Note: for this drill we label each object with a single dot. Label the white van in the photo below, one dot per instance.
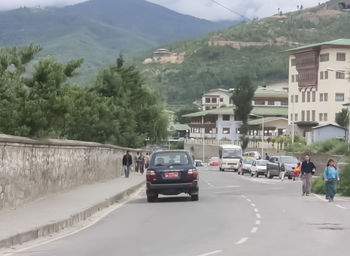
(230, 157)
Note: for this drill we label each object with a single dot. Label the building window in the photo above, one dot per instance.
(296, 98)
(226, 117)
(292, 98)
(339, 97)
(207, 100)
(308, 115)
(313, 96)
(221, 99)
(292, 78)
(320, 117)
(213, 100)
(296, 117)
(292, 62)
(321, 97)
(326, 75)
(303, 115)
(297, 78)
(325, 117)
(226, 130)
(303, 97)
(340, 56)
(321, 75)
(291, 117)
(313, 116)
(324, 57)
(325, 97)
(308, 96)
(340, 75)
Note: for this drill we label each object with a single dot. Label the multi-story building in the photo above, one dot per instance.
(217, 98)
(318, 82)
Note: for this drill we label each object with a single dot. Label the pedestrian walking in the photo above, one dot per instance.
(267, 157)
(331, 176)
(147, 159)
(141, 163)
(137, 161)
(307, 170)
(297, 171)
(127, 162)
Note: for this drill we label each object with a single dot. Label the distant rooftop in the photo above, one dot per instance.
(257, 111)
(339, 42)
(262, 92)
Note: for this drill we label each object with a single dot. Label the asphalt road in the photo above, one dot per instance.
(235, 215)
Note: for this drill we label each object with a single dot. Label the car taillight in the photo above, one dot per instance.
(193, 173)
(150, 175)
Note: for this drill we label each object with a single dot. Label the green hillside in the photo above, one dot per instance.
(261, 52)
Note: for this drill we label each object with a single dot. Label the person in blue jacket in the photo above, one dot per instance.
(331, 176)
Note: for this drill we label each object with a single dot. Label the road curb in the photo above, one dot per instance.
(56, 226)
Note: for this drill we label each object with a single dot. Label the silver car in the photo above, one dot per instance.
(258, 168)
(245, 166)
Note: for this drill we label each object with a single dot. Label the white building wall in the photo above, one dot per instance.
(331, 86)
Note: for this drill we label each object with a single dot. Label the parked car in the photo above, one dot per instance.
(254, 154)
(214, 161)
(281, 163)
(245, 166)
(258, 167)
(171, 173)
(198, 163)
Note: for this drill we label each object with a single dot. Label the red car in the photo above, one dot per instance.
(214, 161)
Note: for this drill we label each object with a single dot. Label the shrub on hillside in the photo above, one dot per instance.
(344, 188)
(318, 186)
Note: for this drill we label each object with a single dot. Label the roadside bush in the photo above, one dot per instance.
(344, 186)
(333, 146)
(340, 149)
(318, 186)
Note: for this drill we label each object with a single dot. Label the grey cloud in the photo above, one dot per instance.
(207, 9)
(11, 4)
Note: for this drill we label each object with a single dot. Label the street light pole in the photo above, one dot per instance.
(293, 117)
(262, 138)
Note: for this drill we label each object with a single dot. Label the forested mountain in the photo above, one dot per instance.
(99, 30)
(257, 48)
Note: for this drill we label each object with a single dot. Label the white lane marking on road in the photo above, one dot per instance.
(105, 214)
(319, 197)
(258, 216)
(243, 240)
(340, 206)
(254, 230)
(256, 210)
(211, 253)
(257, 222)
(253, 205)
(224, 192)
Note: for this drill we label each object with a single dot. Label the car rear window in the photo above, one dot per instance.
(289, 159)
(171, 158)
(261, 162)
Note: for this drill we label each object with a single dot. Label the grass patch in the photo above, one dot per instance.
(318, 186)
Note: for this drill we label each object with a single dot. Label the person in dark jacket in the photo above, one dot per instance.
(127, 162)
(307, 170)
(331, 176)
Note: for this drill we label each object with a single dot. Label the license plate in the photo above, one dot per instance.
(171, 174)
(232, 166)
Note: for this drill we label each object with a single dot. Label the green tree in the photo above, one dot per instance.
(242, 99)
(342, 118)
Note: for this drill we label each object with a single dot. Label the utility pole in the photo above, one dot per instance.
(293, 117)
(262, 137)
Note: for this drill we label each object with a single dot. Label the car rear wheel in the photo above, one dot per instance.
(194, 197)
(257, 174)
(269, 175)
(152, 198)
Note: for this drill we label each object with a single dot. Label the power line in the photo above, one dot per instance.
(237, 13)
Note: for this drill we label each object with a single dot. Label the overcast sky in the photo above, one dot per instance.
(206, 9)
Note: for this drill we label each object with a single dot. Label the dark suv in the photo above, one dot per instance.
(171, 173)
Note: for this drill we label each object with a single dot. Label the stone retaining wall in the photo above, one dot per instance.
(30, 169)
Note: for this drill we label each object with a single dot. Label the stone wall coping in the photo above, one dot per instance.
(4, 139)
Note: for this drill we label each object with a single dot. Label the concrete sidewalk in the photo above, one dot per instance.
(58, 211)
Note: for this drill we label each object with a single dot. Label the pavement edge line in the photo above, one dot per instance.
(57, 226)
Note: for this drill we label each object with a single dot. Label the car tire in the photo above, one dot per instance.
(251, 174)
(257, 175)
(222, 170)
(152, 198)
(269, 176)
(194, 197)
(290, 177)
